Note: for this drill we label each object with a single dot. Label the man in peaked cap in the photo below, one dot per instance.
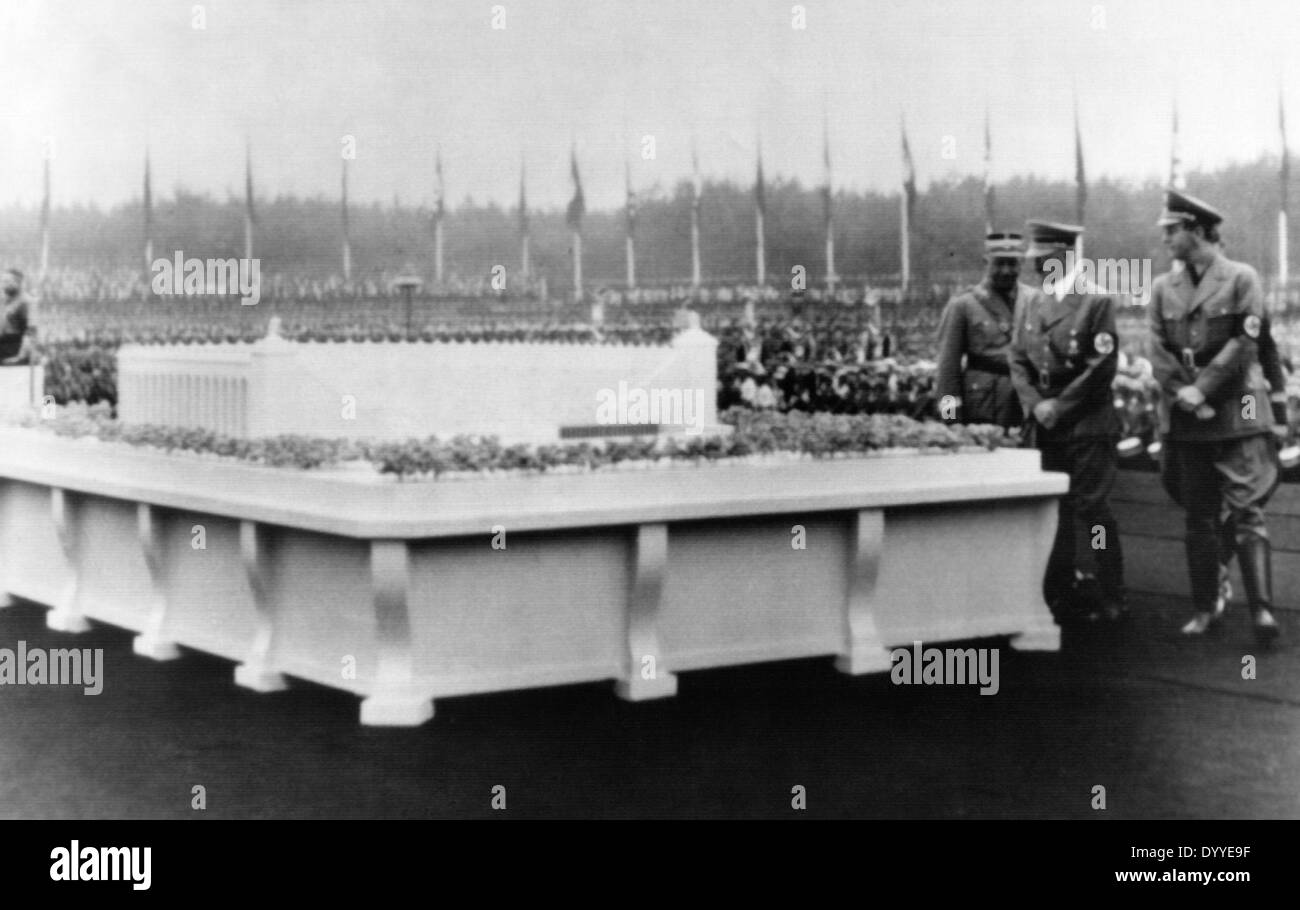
(1064, 356)
(976, 325)
(1218, 462)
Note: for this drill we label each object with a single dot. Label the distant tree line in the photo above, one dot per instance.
(297, 236)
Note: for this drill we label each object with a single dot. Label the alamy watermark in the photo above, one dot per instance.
(75, 863)
(1104, 276)
(945, 667)
(53, 667)
(198, 277)
(656, 407)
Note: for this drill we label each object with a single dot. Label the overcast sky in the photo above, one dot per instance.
(402, 76)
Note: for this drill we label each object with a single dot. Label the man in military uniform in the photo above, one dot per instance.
(1219, 461)
(1270, 362)
(977, 324)
(1064, 356)
(17, 333)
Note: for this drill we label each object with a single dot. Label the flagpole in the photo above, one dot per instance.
(45, 224)
(989, 215)
(437, 251)
(906, 245)
(577, 208)
(760, 254)
(695, 221)
(1081, 180)
(148, 216)
(248, 201)
(577, 265)
(1081, 184)
(829, 214)
(347, 244)
(830, 258)
(437, 223)
(630, 242)
(906, 202)
(1176, 179)
(1283, 248)
(524, 264)
(695, 248)
(1282, 255)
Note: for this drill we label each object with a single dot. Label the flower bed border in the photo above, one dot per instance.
(755, 433)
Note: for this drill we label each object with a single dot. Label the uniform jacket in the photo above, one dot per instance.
(1067, 350)
(977, 324)
(1207, 335)
(15, 323)
(15, 316)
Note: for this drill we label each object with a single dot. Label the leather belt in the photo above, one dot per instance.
(1056, 379)
(987, 364)
(1192, 359)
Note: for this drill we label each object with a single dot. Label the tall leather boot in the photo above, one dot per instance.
(1058, 580)
(1255, 555)
(1203, 570)
(1111, 574)
(1227, 551)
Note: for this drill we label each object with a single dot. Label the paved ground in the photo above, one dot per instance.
(1170, 730)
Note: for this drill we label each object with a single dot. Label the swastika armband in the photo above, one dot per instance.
(1251, 325)
(1104, 343)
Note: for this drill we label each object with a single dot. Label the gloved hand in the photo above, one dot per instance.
(1046, 414)
(1189, 398)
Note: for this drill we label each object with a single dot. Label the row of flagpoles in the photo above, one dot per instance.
(577, 209)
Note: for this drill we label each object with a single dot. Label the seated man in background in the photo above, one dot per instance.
(17, 331)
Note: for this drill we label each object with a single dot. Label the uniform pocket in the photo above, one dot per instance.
(1218, 331)
(988, 332)
(1174, 333)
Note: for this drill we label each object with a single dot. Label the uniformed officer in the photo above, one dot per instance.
(1219, 462)
(1271, 363)
(976, 324)
(1064, 356)
(17, 331)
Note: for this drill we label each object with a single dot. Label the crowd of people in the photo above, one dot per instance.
(95, 285)
(859, 351)
(92, 284)
(846, 293)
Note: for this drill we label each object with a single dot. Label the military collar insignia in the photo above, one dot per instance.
(1052, 310)
(990, 300)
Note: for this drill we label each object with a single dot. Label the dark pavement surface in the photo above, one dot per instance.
(1170, 729)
